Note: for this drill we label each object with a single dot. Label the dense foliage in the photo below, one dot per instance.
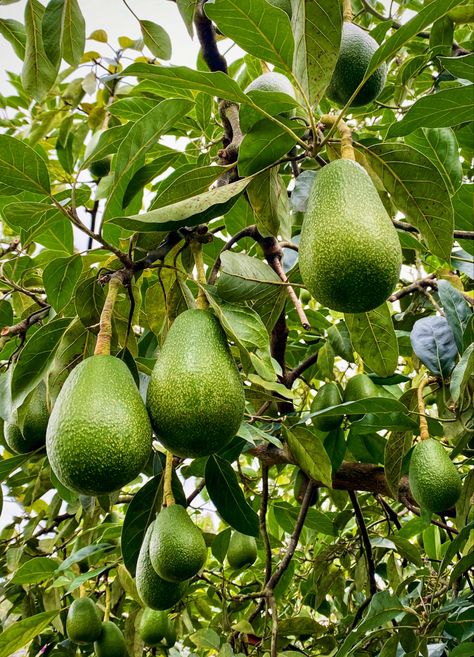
(117, 167)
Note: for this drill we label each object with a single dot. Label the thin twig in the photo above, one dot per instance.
(365, 542)
(263, 524)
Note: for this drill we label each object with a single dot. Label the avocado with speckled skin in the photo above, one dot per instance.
(32, 434)
(111, 642)
(99, 433)
(434, 481)
(195, 398)
(83, 621)
(154, 625)
(154, 591)
(242, 550)
(357, 48)
(349, 252)
(327, 395)
(272, 81)
(177, 547)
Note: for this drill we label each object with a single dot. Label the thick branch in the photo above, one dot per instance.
(299, 369)
(408, 228)
(206, 34)
(22, 327)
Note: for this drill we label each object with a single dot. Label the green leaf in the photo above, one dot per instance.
(107, 143)
(84, 553)
(269, 200)
(440, 146)
(244, 278)
(372, 422)
(456, 310)
(273, 103)
(206, 638)
(89, 301)
(228, 498)
(465, 563)
(90, 574)
(220, 544)
(317, 29)
(35, 358)
(38, 74)
(461, 67)
(7, 466)
(264, 144)
(378, 405)
(396, 447)
(73, 32)
(21, 168)
(309, 453)
(14, 32)
(156, 39)
(185, 182)
(418, 190)
(6, 313)
(448, 107)
(36, 570)
(462, 373)
(373, 338)
(19, 634)
(60, 278)
(463, 650)
(257, 27)
(433, 342)
(186, 9)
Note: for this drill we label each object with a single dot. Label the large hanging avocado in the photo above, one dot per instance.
(434, 481)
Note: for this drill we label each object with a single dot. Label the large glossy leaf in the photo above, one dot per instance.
(60, 278)
(373, 338)
(228, 498)
(38, 74)
(244, 278)
(34, 571)
(257, 27)
(14, 32)
(441, 147)
(19, 634)
(269, 200)
(433, 342)
(264, 144)
(21, 168)
(185, 182)
(156, 39)
(418, 190)
(73, 32)
(461, 67)
(456, 309)
(317, 28)
(448, 107)
(309, 453)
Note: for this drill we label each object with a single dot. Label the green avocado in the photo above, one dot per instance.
(154, 591)
(99, 434)
(195, 397)
(100, 168)
(434, 481)
(32, 434)
(358, 387)
(349, 252)
(327, 395)
(272, 81)
(177, 547)
(111, 642)
(83, 621)
(357, 48)
(242, 550)
(301, 484)
(170, 636)
(154, 626)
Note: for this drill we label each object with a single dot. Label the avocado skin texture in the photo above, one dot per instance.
(434, 481)
(111, 642)
(327, 395)
(357, 48)
(349, 252)
(154, 626)
(195, 397)
(83, 621)
(32, 435)
(99, 433)
(242, 550)
(301, 484)
(272, 81)
(359, 387)
(177, 547)
(154, 591)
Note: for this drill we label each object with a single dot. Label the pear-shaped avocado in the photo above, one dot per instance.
(83, 621)
(32, 433)
(154, 591)
(195, 397)
(111, 642)
(301, 484)
(177, 547)
(242, 550)
(357, 48)
(99, 433)
(434, 481)
(154, 626)
(359, 387)
(349, 251)
(327, 395)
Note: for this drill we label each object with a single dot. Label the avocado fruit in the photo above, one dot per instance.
(111, 642)
(434, 481)
(177, 547)
(154, 591)
(32, 434)
(83, 621)
(301, 484)
(154, 626)
(357, 48)
(327, 395)
(242, 551)
(100, 168)
(349, 252)
(99, 433)
(360, 387)
(195, 397)
(272, 81)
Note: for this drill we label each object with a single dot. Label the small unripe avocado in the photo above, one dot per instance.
(154, 625)
(32, 435)
(349, 251)
(154, 591)
(434, 481)
(195, 397)
(357, 48)
(100, 168)
(111, 642)
(242, 550)
(170, 636)
(83, 621)
(272, 81)
(177, 547)
(301, 484)
(327, 395)
(359, 387)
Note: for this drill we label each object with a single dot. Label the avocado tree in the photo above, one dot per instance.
(208, 451)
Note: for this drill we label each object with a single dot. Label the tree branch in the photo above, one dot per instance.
(457, 234)
(206, 34)
(263, 524)
(365, 540)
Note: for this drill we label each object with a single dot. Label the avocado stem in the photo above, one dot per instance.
(424, 431)
(347, 150)
(167, 486)
(107, 603)
(102, 346)
(347, 11)
(196, 248)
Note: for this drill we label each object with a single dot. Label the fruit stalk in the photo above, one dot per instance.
(107, 603)
(196, 248)
(347, 11)
(102, 347)
(347, 150)
(167, 485)
(424, 431)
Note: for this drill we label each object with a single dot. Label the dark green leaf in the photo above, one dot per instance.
(309, 453)
(185, 182)
(14, 33)
(397, 446)
(6, 313)
(73, 32)
(456, 310)
(34, 571)
(441, 147)
(38, 74)
(89, 301)
(391, 421)
(244, 278)
(462, 373)
(220, 544)
(376, 405)
(433, 342)
(227, 496)
(84, 553)
(21, 168)
(23, 631)
(60, 278)
(265, 144)
(7, 466)
(461, 67)
(269, 200)
(156, 39)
